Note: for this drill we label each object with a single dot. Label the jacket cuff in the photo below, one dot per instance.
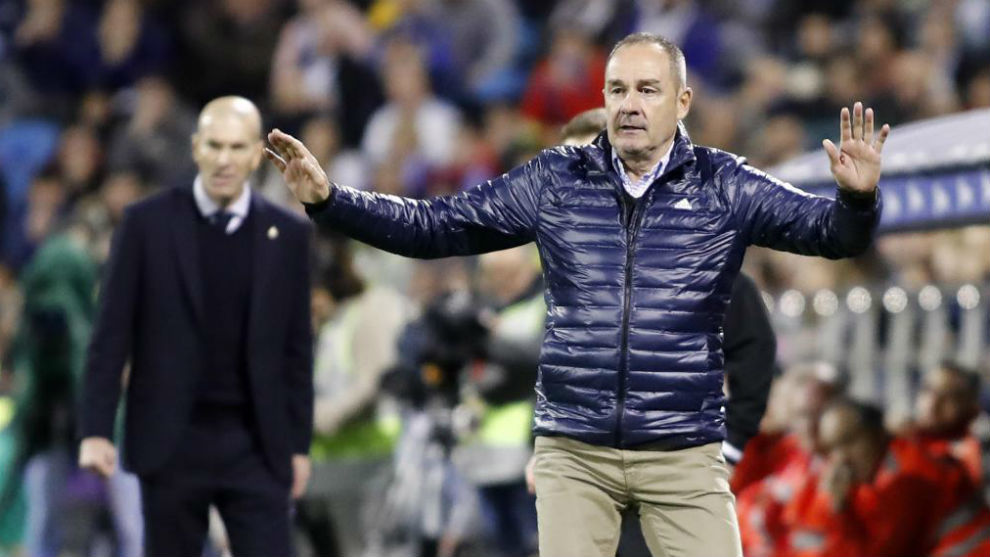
(301, 444)
(313, 209)
(96, 426)
(859, 201)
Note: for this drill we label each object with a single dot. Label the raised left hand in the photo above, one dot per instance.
(301, 468)
(856, 162)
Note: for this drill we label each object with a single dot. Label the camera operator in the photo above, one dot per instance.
(500, 394)
(429, 509)
(466, 373)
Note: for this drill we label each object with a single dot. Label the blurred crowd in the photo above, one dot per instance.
(425, 369)
(827, 475)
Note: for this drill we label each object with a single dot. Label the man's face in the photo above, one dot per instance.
(943, 406)
(806, 406)
(227, 149)
(644, 101)
(845, 443)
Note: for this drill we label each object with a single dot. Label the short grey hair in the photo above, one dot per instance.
(677, 64)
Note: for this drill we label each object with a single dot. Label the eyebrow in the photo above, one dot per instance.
(236, 143)
(641, 82)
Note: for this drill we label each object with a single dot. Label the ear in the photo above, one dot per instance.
(684, 102)
(259, 154)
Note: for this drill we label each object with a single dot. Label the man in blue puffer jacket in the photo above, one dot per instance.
(641, 235)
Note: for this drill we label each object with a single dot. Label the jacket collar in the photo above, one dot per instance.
(600, 157)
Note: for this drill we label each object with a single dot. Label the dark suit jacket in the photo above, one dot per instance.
(151, 311)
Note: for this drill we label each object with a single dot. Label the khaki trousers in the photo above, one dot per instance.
(685, 506)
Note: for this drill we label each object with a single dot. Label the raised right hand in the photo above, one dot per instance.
(302, 172)
(97, 454)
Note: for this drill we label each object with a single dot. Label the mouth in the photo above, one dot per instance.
(223, 179)
(630, 128)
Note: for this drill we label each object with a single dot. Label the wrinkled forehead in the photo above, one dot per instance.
(639, 62)
(229, 127)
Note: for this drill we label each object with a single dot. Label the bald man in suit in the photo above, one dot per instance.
(207, 295)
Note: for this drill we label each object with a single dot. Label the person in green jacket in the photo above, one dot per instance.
(12, 505)
(59, 287)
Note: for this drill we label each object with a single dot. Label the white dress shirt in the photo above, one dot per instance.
(239, 208)
(638, 188)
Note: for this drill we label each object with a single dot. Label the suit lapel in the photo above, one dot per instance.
(187, 250)
(263, 249)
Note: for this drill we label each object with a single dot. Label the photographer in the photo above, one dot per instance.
(429, 509)
(494, 455)
(466, 374)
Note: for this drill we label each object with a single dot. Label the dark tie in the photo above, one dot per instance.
(221, 219)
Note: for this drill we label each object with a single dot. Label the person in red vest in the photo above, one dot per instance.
(766, 483)
(965, 532)
(945, 409)
(875, 496)
(788, 430)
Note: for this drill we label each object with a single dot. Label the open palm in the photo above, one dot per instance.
(300, 169)
(856, 162)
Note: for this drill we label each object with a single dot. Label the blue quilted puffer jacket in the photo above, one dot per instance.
(636, 291)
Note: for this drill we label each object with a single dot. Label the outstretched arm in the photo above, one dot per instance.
(774, 214)
(498, 214)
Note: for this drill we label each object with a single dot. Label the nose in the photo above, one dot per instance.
(224, 157)
(631, 103)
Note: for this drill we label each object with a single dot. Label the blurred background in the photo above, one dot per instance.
(424, 370)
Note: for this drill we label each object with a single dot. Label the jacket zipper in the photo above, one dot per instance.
(632, 227)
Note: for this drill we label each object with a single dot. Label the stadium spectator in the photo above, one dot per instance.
(566, 82)
(414, 131)
(946, 407)
(867, 499)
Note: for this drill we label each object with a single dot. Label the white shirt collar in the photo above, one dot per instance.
(637, 189)
(207, 206)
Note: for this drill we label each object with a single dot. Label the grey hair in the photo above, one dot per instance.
(677, 64)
